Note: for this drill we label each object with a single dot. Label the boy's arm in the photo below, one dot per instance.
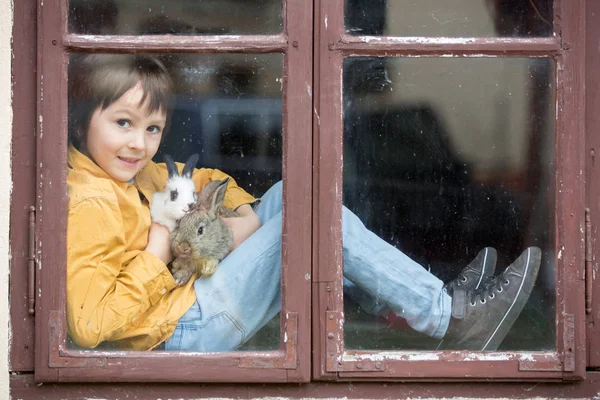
(236, 199)
(244, 225)
(103, 297)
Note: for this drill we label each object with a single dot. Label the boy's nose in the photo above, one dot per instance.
(137, 141)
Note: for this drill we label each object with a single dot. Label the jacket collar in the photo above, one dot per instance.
(82, 163)
(145, 180)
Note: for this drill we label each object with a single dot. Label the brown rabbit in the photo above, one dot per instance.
(201, 239)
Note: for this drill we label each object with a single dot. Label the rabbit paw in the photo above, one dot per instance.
(182, 272)
(209, 266)
(182, 276)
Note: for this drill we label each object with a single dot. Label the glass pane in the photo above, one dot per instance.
(178, 17)
(225, 108)
(453, 18)
(443, 157)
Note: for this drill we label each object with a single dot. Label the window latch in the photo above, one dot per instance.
(31, 263)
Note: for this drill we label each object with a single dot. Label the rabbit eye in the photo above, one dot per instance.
(200, 230)
(174, 195)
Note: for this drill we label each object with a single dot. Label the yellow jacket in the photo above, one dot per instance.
(116, 291)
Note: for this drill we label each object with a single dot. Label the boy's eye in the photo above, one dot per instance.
(123, 123)
(200, 230)
(154, 129)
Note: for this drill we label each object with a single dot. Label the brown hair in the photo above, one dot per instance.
(98, 80)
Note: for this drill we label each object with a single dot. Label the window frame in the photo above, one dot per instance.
(56, 363)
(331, 360)
(592, 122)
(23, 178)
(567, 49)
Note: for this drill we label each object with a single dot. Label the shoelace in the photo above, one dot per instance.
(455, 284)
(489, 288)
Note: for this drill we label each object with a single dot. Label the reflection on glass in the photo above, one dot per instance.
(177, 17)
(225, 108)
(228, 108)
(452, 18)
(443, 157)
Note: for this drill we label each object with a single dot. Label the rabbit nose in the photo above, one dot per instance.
(191, 205)
(181, 248)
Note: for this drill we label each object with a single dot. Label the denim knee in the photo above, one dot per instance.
(270, 202)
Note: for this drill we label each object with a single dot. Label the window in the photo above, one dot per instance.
(444, 132)
(246, 95)
(443, 143)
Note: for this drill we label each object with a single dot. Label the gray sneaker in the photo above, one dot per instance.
(477, 272)
(482, 318)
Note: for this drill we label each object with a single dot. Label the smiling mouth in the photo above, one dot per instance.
(129, 160)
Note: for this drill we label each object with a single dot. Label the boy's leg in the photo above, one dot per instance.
(367, 303)
(471, 278)
(242, 295)
(477, 317)
(393, 279)
(270, 203)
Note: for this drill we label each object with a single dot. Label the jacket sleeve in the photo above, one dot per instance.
(105, 297)
(235, 196)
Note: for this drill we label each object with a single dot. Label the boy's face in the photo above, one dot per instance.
(123, 138)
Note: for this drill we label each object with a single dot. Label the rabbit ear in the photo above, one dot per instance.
(171, 167)
(219, 196)
(212, 196)
(189, 166)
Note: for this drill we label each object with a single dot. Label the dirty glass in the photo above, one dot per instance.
(177, 17)
(227, 108)
(443, 157)
(450, 18)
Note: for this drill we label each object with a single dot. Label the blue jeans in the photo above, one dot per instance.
(244, 293)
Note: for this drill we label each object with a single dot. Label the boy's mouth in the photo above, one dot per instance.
(129, 161)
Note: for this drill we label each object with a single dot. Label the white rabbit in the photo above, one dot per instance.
(178, 196)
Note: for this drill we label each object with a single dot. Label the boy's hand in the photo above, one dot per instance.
(159, 242)
(244, 225)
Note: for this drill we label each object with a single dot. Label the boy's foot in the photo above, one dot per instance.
(474, 274)
(482, 318)
(478, 271)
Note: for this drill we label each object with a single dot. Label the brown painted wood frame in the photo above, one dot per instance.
(23, 192)
(53, 361)
(592, 128)
(23, 387)
(331, 360)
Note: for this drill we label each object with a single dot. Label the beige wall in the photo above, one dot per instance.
(487, 116)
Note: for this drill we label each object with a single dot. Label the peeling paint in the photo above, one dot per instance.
(437, 356)
(41, 129)
(560, 252)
